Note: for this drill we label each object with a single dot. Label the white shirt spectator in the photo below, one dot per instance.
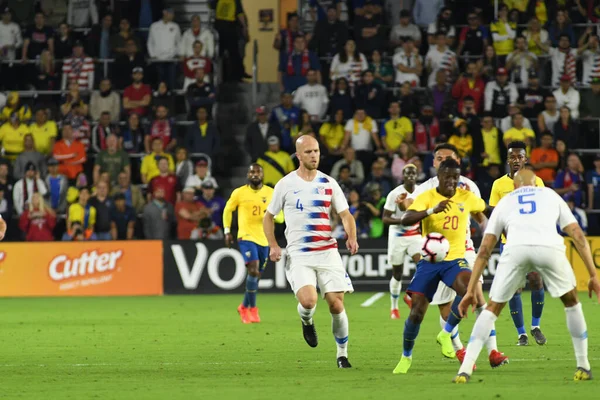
(195, 181)
(351, 69)
(10, 35)
(558, 63)
(437, 60)
(506, 123)
(432, 30)
(163, 40)
(80, 12)
(522, 63)
(312, 98)
(492, 87)
(591, 65)
(400, 58)
(360, 140)
(398, 32)
(550, 120)
(186, 46)
(570, 99)
(19, 199)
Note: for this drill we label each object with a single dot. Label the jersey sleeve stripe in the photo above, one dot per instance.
(329, 246)
(318, 228)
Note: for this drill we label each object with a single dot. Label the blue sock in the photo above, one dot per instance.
(411, 331)
(246, 302)
(537, 306)
(516, 312)
(251, 289)
(454, 316)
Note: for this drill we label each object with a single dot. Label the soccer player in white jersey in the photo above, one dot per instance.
(444, 295)
(403, 241)
(307, 198)
(529, 216)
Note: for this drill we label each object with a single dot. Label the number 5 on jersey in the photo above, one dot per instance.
(530, 203)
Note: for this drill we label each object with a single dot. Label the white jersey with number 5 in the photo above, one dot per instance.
(307, 209)
(529, 216)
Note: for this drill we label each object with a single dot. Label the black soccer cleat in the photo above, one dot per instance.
(538, 336)
(310, 335)
(342, 362)
(523, 340)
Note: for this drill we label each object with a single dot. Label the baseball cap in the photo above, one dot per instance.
(202, 163)
(501, 71)
(189, 189)
(261, 110)
(208, 184)
(565, 78)
(533, 74)
(119, 196)
(138, 69)
(273, 140)
(459, 121)
(52, 161)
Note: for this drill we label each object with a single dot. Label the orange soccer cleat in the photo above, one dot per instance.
(497, 359)
(244, 314)
(253, 314)
(407, 300)
(460, 355)
(395, 314)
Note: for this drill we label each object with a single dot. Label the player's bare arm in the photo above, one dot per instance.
(389, 220)
(403, 202)
(483, 256)
(350, 228)
(269, 228)
(414, 217)
(583, 248)
(481, 219)
(2, 229)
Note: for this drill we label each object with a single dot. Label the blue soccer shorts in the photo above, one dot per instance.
(428, 276)
(254, 252)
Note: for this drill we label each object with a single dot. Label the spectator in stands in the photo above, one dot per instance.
(79, 68)
(473, 38)
(469, 84)
(64, 40)
(537, 38)
(400, 160)
(81, 12)
(29, 155)
(567, 96)
(200, 94)
(368, 30)
(143, 12)
(258, 132)
(37, 38)
(105, 100)
(426, 129)
(81, 127)
(158, 216)
(54, 10)
(118, 41)
(112, 160)
(519, 133)
(361, 133)
(504, 33)
(590, 100)
(341, 99)
(13, 105)
(38, 221)
(488, 147)
(162, 96)
(566, 128)
(57, 185)
(126, 63)
(344, 180)
(396, 130)
(286, 117)
(564, 61)
(25, 188)
(202, 136)
(71, 99)
(544, 159)
(12, 134)
(197, 33)
(382, 71)
(312, 96)
(593, 188)
(440, 58)
(328, 40)
(149, 168)
(520, 62)
(532, 97)
(133, 135)
(357, 173)
(10, 41)
(305, 127)
(103, 205)
(499, 94)
(183, 166)
(489, 64)
(167, 180)
(122, 219)
(550, 115)
(189, 213)
(410, 100)
(442, 25)
(378, 177)
(101, 131)
(162, 127)
(439, 97)
(163, 45)
(137, 96)
(275, 162)
(425, 12)
(507, 122)
(133, 194)
(469, 114)
(405, 29)
(408, 63)
(196, 61)
(570, 181)
(332, 135)
(230, 19)
(99, 38)
(285, 38)
(589, 51)
(319, 8)
(369, 96)
(46, 76)
(463, 141)
(214, 204)
(348, 63)
(560, 27)
(70, 153)
(201, 175)
(578, 213)
(294, 67)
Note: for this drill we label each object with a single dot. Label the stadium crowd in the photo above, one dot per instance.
(378, 85)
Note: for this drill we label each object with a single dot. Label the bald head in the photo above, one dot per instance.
(305, 141)
(307, 151)
(524, 177)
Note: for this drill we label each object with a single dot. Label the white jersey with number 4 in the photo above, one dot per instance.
(400, 231)
(529, 216)
(307, 209)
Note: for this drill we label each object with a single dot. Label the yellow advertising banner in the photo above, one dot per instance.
(578, 267)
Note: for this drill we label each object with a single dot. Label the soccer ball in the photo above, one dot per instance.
(435, 248)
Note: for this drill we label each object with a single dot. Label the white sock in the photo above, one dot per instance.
(578, 329)
(480, 334)
(306, 314)
(339, 326)
(456, 343)
(491, 343)
(395, 289)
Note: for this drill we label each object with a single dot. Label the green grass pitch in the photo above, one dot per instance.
(184, 347)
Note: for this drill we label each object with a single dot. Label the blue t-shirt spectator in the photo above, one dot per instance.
(286, 118)
(565, 179)
(295, 66)
(592, 178)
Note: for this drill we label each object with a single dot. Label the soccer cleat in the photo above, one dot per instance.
(461, 378)
(253, 314)
(582, 374)
(538, 336)
(460, 355)
(523, 340)
(342, 362)
(395, 314)
(403, 365)
(310, 335)
(244, 314)
(407, 300)
(497, 359)
(444, 339)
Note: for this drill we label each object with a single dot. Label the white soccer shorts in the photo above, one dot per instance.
(399, 247)
(329, 274)
(517, 261)
(444, 294)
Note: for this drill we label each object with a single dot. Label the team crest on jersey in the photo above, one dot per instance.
(264, 199)
(248, 254)
(321, 190)
(463, 264)
(461, 206)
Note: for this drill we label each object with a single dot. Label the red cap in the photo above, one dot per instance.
(565, 78)
(261, 110)
(501, 71)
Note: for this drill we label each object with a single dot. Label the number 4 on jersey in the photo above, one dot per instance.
(299, 205)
